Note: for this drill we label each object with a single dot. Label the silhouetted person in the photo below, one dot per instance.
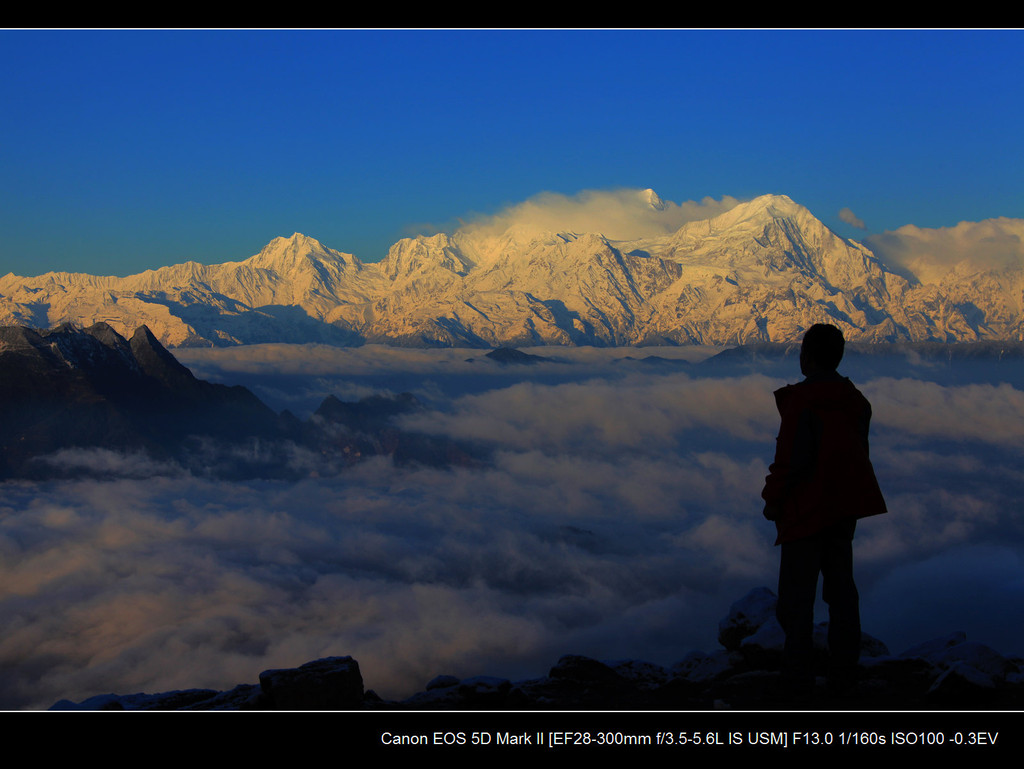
(820, 483)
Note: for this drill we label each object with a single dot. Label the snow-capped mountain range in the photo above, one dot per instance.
(762, 271)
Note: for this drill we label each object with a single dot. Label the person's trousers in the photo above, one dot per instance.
(829, 553)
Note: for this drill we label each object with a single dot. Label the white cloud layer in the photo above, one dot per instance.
(992, 244)
(623, 214)
(620, 517)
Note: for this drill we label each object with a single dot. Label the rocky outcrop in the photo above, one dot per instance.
(942, 673)
(69, 388)
(67, 392)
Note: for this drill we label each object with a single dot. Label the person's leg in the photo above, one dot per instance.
(798, 585)
(840, 593)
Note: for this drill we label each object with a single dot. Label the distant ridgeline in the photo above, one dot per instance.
(69, 397)
(761, 272)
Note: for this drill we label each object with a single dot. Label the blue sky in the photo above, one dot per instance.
(127, 150)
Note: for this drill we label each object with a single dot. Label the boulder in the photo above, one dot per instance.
(331, 683)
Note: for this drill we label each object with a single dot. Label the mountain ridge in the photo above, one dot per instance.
(762, 271)
(67, 393)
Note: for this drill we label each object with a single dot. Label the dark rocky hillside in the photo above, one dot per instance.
(69, 388)
(74, 388)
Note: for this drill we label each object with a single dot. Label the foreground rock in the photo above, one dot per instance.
(950, 672)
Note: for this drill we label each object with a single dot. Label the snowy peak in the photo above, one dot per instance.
(650, 197)
(286, 253)
(297, 245)
(761, 211)
(416, 256)
(764, 270)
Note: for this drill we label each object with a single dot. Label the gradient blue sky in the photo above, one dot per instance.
(128, 150)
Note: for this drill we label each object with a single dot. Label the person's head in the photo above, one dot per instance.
(822, 348)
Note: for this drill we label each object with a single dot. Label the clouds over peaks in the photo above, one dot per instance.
(846, 215)
(631, 214)
(992, 244)
(622, 214)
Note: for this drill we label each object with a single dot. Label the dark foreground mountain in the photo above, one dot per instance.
(950, 672)
(68, 393)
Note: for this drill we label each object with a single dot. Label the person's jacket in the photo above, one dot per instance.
(822, 473)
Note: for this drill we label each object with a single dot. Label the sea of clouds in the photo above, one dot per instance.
(617, 515)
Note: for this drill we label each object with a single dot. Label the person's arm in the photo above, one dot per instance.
(775, 483)
(796, 452)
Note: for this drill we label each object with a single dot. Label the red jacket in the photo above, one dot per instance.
(822, 473)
